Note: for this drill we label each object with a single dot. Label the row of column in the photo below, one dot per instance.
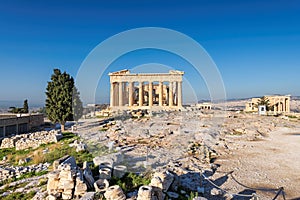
(117, 95)
(282, 106)
(13, 129)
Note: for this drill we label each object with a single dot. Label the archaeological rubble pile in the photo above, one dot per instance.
(68, 181)
(31, 140)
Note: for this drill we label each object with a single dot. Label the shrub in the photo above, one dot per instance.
(130, 181)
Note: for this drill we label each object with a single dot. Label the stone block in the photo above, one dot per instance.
(88, 196)
(65, 184)
(119, 171)
(105, 173)
(114, 193)
(70, 160)
(51, 197)
(145, 193)
(162, 180)
(52, 186)
(57, 162)
(101, 185)
(66, 195)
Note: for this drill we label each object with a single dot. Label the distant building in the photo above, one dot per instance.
(204, 106)
(278, 104)
(12, 124)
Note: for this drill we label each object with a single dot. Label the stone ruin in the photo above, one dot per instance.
(31, 140)
(17, 171)
(66, 181)
(80, 147)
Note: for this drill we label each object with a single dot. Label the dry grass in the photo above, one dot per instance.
(38, 157)
(54, 146)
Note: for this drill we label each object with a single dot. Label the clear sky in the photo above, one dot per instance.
(255, 44)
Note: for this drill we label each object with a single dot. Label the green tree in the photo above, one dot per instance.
(264, 101)
(24, 109)
(25, 106)
(59, 98)
(14, 110)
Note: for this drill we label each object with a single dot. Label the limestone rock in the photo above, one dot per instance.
(105, 173)
(119, 171)
(66, 181)
(81, 147)
(145, 193)
(114, 193)
(101, 185)
(216, 192)
(31, 140)
(80, 187)
(88, 196)
(162, 180)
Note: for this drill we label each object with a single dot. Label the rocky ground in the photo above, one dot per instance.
(222, 154)
(260, 150)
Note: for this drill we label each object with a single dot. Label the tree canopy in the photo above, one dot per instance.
(24, 109)
(60, 101)
(264, 101)
(25, 106)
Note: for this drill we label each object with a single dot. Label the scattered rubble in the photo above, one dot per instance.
(66, 182)
(79, 145)
(178, 147)
(18, 171)
(31, 140)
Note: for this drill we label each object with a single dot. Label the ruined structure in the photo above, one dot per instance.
(31, 140)
(66, 181)
(144, 91)
(204, 106)
(11, 124)
(278, 104)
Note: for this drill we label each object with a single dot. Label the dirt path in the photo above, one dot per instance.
(270, 163)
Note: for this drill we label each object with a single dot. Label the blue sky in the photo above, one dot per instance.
(255, 44)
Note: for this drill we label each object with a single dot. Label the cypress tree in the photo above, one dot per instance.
(59, 100)
(25, 106)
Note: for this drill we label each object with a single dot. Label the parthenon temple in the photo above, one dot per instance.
(146, 90)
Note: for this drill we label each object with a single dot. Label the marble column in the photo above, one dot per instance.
(141, 95)
(179, 94)
(125, 97)
(160, 93)
(120, 93)
(112, 101)
(130, 94)
(170, 94)
(150, 93)
(287, 105)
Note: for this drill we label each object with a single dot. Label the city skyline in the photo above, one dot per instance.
(254, 44)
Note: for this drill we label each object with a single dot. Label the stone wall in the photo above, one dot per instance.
(66, 182)
(16, 172)
(31, 140)
(19, 123)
